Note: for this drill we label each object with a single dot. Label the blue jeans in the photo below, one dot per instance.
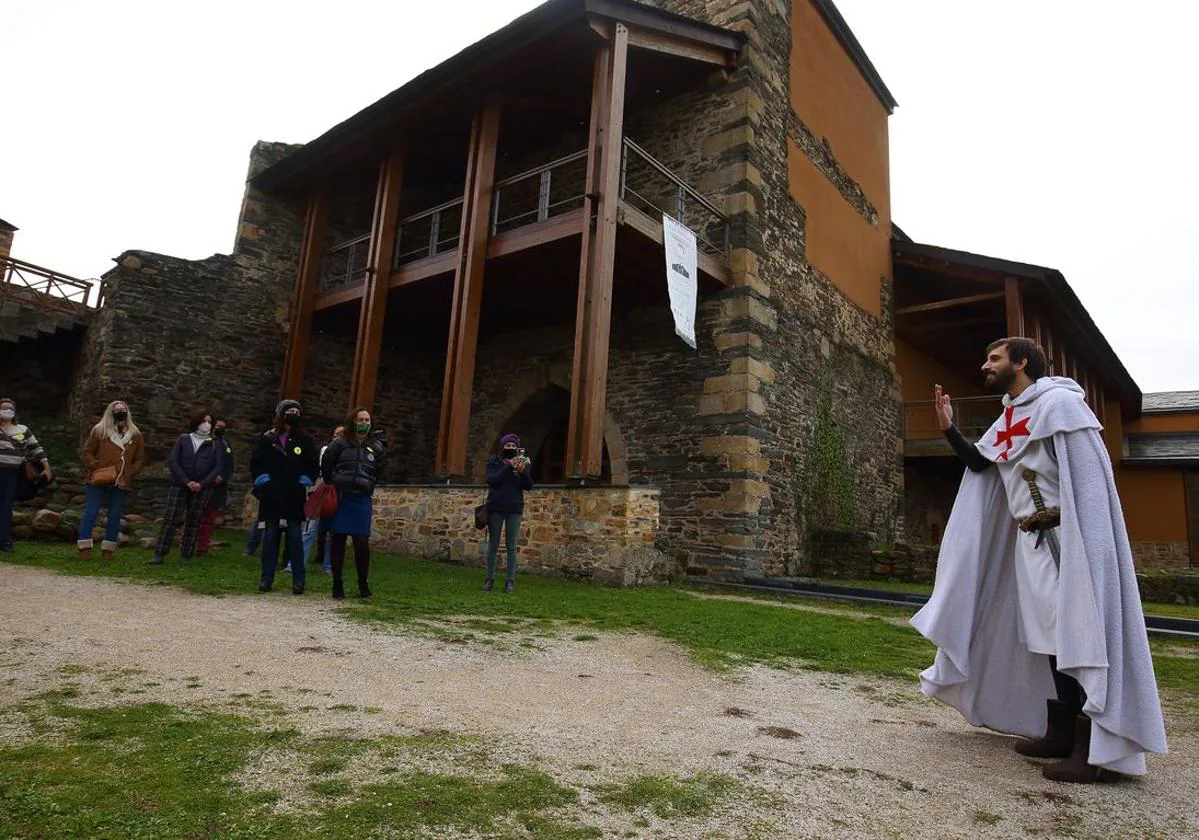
(511, 525)
(294, 538)
(314, 529)
(254, 538)
(93, 498)
(8, 496)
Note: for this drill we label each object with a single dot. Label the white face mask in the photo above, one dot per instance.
(204, 428)
(7, 414)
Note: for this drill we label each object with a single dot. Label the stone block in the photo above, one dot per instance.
(714, 144)
(730, 445)
(732, 340)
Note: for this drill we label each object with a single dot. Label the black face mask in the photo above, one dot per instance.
(292, 420)
(218, 432)
(509, 453)
(120, 416)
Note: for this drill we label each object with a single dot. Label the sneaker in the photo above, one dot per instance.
(287, 569)
(157, 561)
(297, 590)
(488, 585)
(509, 585)
(264, 587)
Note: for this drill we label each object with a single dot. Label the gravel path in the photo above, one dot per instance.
(841, 756)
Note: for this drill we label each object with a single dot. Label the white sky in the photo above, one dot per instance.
(1056, 132)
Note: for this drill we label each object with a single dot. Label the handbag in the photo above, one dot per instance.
(481, 516)
(322, 502)
(103, 476)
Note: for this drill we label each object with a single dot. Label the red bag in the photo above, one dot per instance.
(322, 502)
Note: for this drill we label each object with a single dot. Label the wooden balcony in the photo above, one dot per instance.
(921, 435)
(531, 209)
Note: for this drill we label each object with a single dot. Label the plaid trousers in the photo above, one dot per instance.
(182, 504)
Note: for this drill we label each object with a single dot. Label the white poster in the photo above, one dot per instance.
(681, 278)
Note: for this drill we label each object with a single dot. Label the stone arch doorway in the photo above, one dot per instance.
(538, 409)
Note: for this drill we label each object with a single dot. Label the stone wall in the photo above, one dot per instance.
(1155, 556)
(38, 372)
(606, 535)
(176, 335)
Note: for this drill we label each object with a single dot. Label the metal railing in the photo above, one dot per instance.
(535, 195)
(428, 233)
(652, 188)
(541, 193)
(344, 264)
(47, 289)
(972, 415)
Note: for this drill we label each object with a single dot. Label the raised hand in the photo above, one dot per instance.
(943, 407)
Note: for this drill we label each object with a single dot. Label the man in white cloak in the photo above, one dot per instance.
(1035, 613)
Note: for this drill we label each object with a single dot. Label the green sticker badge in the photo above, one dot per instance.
(298, 451)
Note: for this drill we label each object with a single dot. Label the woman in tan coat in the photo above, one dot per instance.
(113, 454)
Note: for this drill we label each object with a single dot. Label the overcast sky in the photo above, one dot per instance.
(1056, 132)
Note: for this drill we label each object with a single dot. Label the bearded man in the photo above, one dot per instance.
(1035, 612)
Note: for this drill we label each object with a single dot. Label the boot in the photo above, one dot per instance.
(362, 565)
(339, 591)
(1058, 740)
(107, 547)
(106, 554)
(488, 584)
(1075, 768)
(85, 549)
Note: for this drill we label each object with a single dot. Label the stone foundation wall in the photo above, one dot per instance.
(1154, 556)
(605, 535)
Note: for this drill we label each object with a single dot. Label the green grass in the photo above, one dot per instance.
(155, 771)
(669, 797)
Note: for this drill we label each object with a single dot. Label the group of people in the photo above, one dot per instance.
(286, 469)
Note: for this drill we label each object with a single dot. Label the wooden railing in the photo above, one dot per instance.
(47, 289)
(972, 415)
(535, 195)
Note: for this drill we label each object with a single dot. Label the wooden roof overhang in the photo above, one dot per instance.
(559, 35)
(947, 302)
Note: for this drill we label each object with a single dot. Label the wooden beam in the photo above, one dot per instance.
(593, 321)
(536, 233)
(652, 229)
(668, 44)
(938, 326)
(948, 304)
(377, 283)
(346, 294)
(458, 385)
(947, 269)
(425, 268)
(303, 297)
(1015, 306)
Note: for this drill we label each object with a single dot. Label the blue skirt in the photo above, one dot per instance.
(353, 515)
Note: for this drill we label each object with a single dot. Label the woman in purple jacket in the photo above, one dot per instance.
(195, 463)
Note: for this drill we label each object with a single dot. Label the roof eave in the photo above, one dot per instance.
(853, 48)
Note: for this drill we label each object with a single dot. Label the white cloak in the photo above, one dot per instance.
(982, 668)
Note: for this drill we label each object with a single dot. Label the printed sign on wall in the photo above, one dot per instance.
(681, 277)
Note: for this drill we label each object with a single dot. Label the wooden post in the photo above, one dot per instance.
(597, 261)
(302, 298)
(458, 385)
(376, 284)
(1015, 306)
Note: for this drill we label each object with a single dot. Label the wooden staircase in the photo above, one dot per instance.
(36, 302)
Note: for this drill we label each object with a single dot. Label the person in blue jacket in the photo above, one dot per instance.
(508, 477)
(284, 464)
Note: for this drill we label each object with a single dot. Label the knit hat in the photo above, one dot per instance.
(509, 438)
(284, 405)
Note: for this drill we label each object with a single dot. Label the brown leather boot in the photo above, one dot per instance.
(1075, 769)
(85, 549)
(1058, 740)
(106, 554)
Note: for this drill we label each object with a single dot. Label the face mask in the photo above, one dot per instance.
(204, 428)
(7, 413)
(219, 432)
(509, 453)
(291, 420)
(120, 416)
(363, 428)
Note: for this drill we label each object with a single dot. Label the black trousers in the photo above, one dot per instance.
(1068, 688)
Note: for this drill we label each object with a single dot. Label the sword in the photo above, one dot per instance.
(1045, 521)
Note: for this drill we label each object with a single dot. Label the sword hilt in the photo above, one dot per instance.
(1038, 501)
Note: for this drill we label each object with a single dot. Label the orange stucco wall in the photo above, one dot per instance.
(1154, 501)
(833, 99)
(1164, 423)
(1113, 434)
(920, 372)
(842, 245)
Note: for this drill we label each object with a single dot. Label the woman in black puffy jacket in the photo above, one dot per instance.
(353, 464)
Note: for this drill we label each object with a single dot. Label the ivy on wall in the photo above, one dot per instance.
(825, 486)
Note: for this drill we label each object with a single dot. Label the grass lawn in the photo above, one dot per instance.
(152, 770)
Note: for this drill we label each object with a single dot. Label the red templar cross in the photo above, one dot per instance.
(1008, 435)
